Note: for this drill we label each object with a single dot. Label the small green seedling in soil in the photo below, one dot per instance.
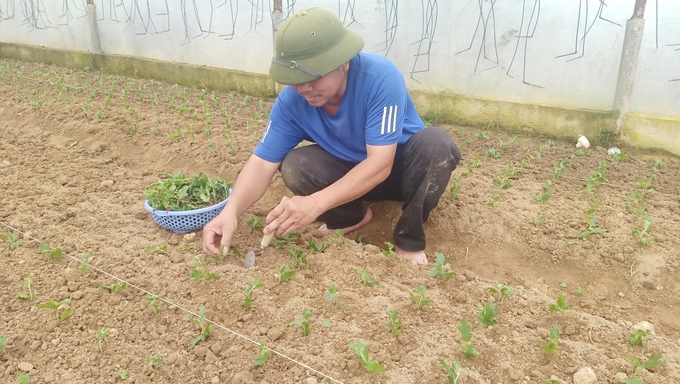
(389, 252)
(591, 209)
(642, 235)
(362, 240)
(113, 288)
(494, 199)
(638, 337)
(332, 295)
(501, 291)
(593, 229)
(487, 314)
(366, 277)
(560, 306)
(553, 344)
(338, 235)
(23, 378)
(542, 197)
(201, 270)
(492, 152)
(223, 254)
(361, 350)
(3, 340)
(631, 381)
(454, 187)
(123, 374)
(14, 242)
(157, 248)
(536, 221)
(286, 273)
(84, 263)
(280, 242)
(316, 247)
(453, 371)
(298, 256)
(156, 303)
(155, 362)
(579, 291)
(502, 184)
(61, 313)
(421, 300)
(465, 330)
(265, 354)
(303, 324)
(55, 253)
(649, 364)
(395, 322)
(101, 335)
(441, 268)
(256, 223)
(30, 294)
(206, 328)
(249, 291)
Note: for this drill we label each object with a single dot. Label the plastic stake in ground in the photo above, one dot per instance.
(249, 260)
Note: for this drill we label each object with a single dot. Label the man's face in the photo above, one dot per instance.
(329, 88)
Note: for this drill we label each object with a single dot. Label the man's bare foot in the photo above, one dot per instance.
(417, 257)
(364, 221)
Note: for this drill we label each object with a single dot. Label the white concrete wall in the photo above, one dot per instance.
(426, 39)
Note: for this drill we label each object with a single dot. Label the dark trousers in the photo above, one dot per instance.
(420, 174)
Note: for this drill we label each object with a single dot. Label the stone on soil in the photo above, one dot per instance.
(585, 375)
(25, 366)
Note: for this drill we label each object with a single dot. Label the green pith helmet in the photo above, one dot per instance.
(311, 44)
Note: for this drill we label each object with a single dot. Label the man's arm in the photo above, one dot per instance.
(302, 210)
(250, 186)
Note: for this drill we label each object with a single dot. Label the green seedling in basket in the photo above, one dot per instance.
(441, 268)
(52, 253)
(113, 288)
(332, 295)
(361, 350)
(58, 308)
(206, 328)
(286, 273)
(487, 314)
(560, 306)
(453, 371)
(157, 249)
(553, 344)
(395, 322)
(420, 299)
(101, 335)
(14, 242)
(201, 270)
(249, 291)
(465, 330)
(29, 294)
(264, 355)
(303, 324)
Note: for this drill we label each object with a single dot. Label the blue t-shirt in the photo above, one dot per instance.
(376, 109)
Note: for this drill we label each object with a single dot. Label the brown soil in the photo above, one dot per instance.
(77, 149)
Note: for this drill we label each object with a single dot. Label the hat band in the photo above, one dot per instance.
(293, 64)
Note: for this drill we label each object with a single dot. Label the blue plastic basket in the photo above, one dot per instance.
(186, 221)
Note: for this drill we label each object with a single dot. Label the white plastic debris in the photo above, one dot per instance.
(613, 151)
(583, 143)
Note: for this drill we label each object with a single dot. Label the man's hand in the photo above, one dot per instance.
(219, 232)
(292, 214)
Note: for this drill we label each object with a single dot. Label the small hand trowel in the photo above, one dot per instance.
(249, 260)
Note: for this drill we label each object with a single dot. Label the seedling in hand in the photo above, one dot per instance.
(155, 362)
(593, 229)
(157, 248)
(366, 278)
(560, 306)
(101, 334)
(553, 344)
(316, 247)
(361, 350)
(285, 273)
(421, 300)
(303, 324)
(649, 364)
(113, 288)
(441, 268)
(487, 314)
(14, 242)
(389, 252)
(249, 291)
(395, 321)
(453, 372)
(465, 330)
(156, 303)
(206, 328)
(61, 313)
(30, 294)
(265, 354)
(55, 253)
(298, 256)
(256, 223)
(332, 295)
(501, 291)
(637, 337)
(201, 271)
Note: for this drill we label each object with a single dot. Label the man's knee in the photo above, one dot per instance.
(438, 145)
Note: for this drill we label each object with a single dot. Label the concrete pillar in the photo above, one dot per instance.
(94, 30)
(629, 61)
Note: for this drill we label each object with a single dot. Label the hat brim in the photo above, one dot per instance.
(324, 63)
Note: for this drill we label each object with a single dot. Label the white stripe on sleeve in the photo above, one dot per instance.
(394, 124)
(382, 127)
(389, 121)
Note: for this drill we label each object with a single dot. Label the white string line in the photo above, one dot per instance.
(497, 166)
(177, 305)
